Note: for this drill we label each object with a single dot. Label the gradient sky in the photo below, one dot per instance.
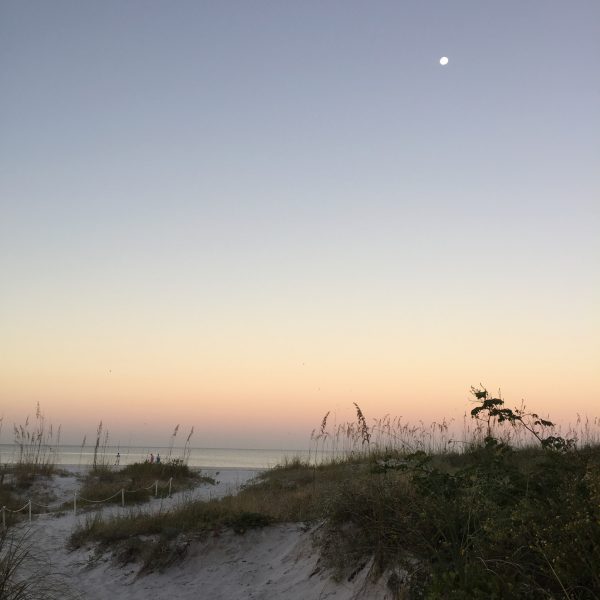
(241, 215)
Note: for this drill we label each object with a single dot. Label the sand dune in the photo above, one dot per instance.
(274, 562)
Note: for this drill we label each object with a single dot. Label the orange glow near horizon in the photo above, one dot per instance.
(212, 228)
(274, 392)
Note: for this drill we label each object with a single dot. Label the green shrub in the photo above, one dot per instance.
(493, 523)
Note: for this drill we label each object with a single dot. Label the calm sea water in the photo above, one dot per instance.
(198, 457)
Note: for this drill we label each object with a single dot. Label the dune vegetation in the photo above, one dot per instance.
(512, 512)
(511, 509)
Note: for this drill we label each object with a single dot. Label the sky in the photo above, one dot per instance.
(238, 216)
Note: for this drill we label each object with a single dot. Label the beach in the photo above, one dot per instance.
(276, 561)
(75, 456)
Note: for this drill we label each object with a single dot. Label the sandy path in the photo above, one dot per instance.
(270, 563)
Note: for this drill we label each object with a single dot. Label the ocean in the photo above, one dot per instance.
(196, 457)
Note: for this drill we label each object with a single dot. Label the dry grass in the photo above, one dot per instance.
(483, 518)
(364, 438)
(26, 574)
(37, 443)
(141, 482)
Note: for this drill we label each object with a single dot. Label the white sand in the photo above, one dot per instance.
(274, 562)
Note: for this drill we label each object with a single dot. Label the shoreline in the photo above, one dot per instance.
(204, 458)
(76, 468)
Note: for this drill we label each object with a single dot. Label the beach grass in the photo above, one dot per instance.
(512, 509)
(486, 519)
(25, 574)
(37, 443)
(141, 481)
(492, 522)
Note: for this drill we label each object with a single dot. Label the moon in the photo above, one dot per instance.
(444, 60)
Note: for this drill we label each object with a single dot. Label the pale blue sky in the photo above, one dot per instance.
(195, 166)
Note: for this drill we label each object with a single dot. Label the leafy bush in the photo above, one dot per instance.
(504, 523)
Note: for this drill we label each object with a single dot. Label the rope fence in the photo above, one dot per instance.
(76, 497)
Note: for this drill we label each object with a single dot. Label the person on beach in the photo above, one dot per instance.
(118, 459)
(157, 458)
(151, 458)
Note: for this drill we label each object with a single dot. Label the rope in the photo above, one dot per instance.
(99, 501)
(76, 497)
(16, 511)
(40, 505)
(140, 489)
(155, 484)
